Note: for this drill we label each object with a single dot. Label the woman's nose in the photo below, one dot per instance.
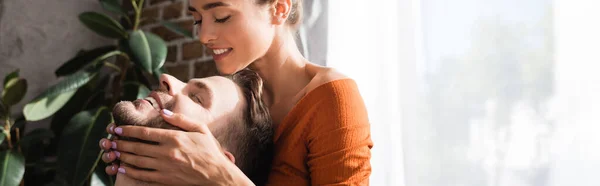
(171, 84)
(206, 35)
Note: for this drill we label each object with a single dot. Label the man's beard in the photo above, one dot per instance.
(125, 113)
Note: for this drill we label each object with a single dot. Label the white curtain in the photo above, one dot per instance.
(475, 92)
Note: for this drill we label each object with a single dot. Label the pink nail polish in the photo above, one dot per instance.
(167, 112)
(113, 167)
(107, 155)
(114, 145)
(122, 170)
(112, 129)
(118, 154)
(119, 130)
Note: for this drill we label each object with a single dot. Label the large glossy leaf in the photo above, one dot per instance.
(78, 148)
(134, 90)
(3, 111)
(143, 92)
(12, 168)
(113, 6)
(35, 136)
(14, 91)
(14, 74)
(82, 59)
(159, 72)
(177, 29)
(2, 136)
(61, 118)
(150, 51)
(56, 96)
(103, 25)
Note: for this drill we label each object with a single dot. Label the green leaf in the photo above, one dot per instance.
(113, 6)
(143, 92)
(12, 168)
(35, 136)
(10, 76)
(134, 90)
(103, 25)
(3, 110)
(159, 72)
(56, 96)
(82, 59)
(61, 118)
(150, 51)
(14, 91)
(78, 150)
(177, 29)
(2, 136)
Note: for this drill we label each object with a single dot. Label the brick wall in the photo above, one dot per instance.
(186, 57)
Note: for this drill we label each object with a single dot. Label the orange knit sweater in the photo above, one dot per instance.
(325, 139)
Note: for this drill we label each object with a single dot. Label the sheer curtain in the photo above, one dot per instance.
(475, 92)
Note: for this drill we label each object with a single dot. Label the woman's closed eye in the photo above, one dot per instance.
(222, 20)
(197, 22)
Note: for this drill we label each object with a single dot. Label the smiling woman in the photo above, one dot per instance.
(322, 133)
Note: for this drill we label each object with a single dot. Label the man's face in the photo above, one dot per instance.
(213, 101)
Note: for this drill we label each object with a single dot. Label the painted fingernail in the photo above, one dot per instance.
(112, 128)
(118, 154)
(114, 145)
(167, 112)
(122, 170)
(103, 143)
(119, 130)
(113, 167)
(107, 155)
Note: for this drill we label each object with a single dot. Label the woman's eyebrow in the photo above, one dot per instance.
(208, 6)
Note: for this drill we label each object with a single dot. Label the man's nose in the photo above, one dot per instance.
(171, 84)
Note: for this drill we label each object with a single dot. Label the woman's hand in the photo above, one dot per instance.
(180, 158)
(109, 156)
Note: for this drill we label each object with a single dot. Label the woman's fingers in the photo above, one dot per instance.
(138, 161)
(138, 148)
(146, 133)
(111, 169)
(109, 156)
(110, 128)
(184, 122)
(105, 144)
(139, 174)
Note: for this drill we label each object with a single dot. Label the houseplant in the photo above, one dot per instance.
(91, 83)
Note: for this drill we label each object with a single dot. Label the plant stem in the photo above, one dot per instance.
(113, 66)
(18, 132)
(7, 131)
(138, 13)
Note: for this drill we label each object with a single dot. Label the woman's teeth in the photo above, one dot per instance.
(220, 51)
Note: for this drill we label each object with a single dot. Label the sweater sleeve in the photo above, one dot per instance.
(339, 139)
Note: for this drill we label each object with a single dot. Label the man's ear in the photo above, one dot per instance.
(282, 11)
(229, 156)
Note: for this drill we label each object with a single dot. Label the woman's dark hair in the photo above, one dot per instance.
(255, 148)
(295, 17)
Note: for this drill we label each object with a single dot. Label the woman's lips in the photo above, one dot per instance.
(219, 54)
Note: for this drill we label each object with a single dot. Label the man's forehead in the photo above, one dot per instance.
(211, 79)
